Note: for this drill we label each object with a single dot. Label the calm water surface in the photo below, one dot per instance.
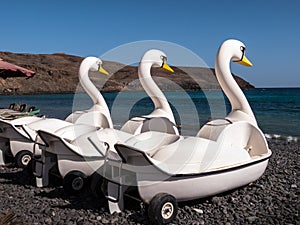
(277, 110)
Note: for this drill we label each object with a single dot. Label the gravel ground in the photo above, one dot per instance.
(273, 199)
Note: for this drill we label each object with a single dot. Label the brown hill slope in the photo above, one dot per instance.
(58, 73)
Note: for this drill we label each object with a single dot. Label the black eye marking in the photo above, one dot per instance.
(164, 59)
(243, 49)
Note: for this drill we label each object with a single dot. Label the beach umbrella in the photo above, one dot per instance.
(11, 70)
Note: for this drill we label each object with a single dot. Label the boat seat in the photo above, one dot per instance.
(213, 129)
(160, 124)
(92, 118)
(133, 126)
(12, 106)
(23, 107)
(141, 124)
(96, 144)
(32, 108)
(150, 142)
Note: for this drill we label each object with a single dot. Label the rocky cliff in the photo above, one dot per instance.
(58, 73)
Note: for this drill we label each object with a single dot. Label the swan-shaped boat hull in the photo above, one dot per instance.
(151, 180)
(225, 154)
(20, 134)
(82, 156)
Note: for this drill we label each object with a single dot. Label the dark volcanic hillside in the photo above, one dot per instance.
(58, 73)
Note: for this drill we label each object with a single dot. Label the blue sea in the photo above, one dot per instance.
(277, 110)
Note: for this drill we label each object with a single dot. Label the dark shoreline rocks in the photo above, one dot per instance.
(273, 199)
(58, 73)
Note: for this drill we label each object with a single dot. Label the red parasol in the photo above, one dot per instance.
(11, 70)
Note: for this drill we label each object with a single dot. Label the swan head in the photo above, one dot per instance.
(94, 64)
(156, 58)
(237, 50)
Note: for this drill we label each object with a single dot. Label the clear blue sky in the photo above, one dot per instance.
(270, 30)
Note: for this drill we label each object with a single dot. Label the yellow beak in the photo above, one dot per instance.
(167, 67)
(102, 70)
(245, 61)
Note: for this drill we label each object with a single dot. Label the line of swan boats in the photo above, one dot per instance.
(147, 159)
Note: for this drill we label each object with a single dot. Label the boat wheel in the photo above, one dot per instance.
(162, 208)
(96, 181)
(74, 182)
(167, 210)
(23, 158)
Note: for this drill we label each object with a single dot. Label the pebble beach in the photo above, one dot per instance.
(273, 199)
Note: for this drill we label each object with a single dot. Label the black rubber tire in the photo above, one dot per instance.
(23, 158)
(74, 182)
(162, 208)
(96, 181)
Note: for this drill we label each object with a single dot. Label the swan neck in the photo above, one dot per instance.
(153, 91)
(90, 88)
(97, 98)
(231, 89)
